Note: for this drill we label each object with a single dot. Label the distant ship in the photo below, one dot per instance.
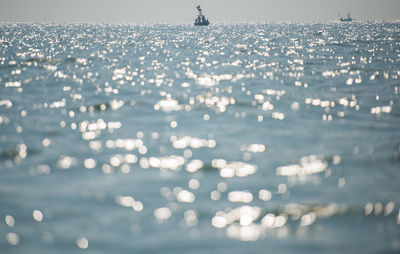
(348, 19)
(201, 19)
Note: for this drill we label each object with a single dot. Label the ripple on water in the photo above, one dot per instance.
(241, 131)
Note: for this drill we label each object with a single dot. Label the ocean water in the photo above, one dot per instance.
(232, 138)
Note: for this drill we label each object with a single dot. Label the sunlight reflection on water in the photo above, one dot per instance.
(112, 136)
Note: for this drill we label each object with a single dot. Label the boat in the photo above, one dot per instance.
(201, 19)
(347, 19)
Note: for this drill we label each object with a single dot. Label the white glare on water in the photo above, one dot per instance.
(82, 243)
(37, 215)
(12, 238)
(162, 213)
(126, 133)
(9, 221)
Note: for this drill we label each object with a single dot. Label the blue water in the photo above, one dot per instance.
(244, 138)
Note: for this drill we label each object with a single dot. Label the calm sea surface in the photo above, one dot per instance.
(246, 138)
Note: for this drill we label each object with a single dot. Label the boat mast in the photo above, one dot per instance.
(199, 9)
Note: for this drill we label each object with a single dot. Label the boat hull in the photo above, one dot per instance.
(206, 23)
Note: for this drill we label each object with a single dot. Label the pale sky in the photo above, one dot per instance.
(183, 11)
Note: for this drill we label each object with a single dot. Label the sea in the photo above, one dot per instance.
(170, 138)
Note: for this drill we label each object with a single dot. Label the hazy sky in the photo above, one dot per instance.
(183, 11)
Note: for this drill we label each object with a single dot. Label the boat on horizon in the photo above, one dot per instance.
(201, 19)
(347, 19)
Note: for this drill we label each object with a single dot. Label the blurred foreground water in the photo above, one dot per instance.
(277, 138)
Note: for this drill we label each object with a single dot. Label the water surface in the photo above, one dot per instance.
(255, 138)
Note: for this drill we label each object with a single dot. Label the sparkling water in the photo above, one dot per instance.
(242, 138)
